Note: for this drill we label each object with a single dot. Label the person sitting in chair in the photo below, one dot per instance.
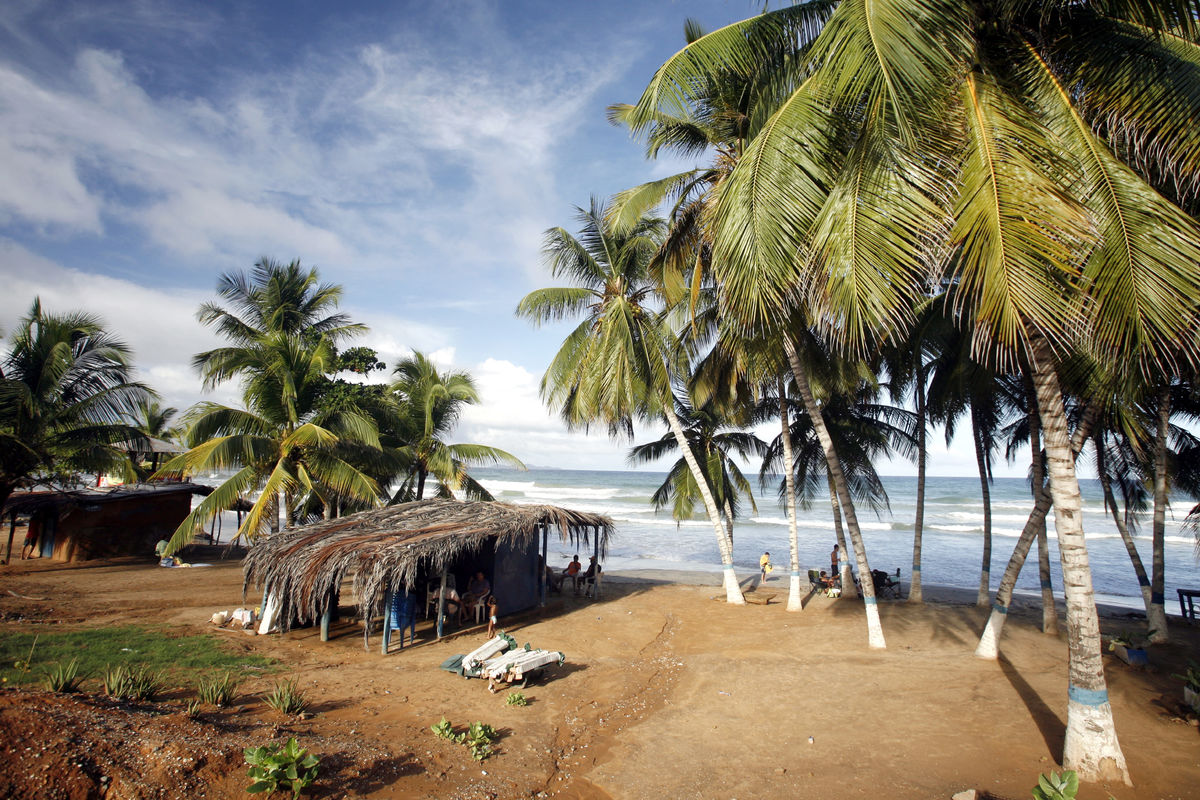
(572, 572)
(450, 597)
(588, 579)
(478, 589)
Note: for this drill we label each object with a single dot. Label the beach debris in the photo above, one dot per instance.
(811, 740)
(968, 794)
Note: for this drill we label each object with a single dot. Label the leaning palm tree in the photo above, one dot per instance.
(618, 364)
(1038, 143)
(66, 394)
(430, 403)
(713, 443)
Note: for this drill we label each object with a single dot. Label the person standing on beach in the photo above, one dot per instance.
(764, 566)
(833, 561)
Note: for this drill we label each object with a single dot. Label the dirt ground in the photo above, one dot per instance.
(666, 692)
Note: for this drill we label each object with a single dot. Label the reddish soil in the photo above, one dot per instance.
(666, 691)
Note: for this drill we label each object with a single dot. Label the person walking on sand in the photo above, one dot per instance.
(765, 566)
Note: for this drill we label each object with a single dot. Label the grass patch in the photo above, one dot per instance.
(97, 649)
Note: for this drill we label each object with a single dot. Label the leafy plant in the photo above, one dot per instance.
(516, 699)
(477, 738)
(193, 710)
(131, 683)
(443, 730)
(64, 678)
(1057, 787)
(218, 691)
(274, 768)
(286, 698)
(1190, 677)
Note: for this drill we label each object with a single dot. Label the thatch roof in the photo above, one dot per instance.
(149, 445)
(62, 501)
(387, 547)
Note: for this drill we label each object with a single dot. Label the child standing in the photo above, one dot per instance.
(492, 609)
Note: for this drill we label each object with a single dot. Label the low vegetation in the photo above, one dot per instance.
(94, 650)
(274, 768)
(286, 698)
(219, 690)
(478, 737)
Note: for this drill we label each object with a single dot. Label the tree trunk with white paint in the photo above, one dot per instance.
(733, 592)
(874, 629)
(795, 602)
(1091, 747)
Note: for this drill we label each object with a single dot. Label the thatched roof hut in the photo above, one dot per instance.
(393, 546)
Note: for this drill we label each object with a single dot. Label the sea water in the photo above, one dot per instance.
(952, 542)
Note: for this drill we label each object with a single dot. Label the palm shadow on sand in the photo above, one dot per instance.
(1052, 728)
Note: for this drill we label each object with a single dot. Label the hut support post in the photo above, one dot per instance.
(387, 621)
(545, 564)
(12, 530)
(441, 617)
(325, 617)
(596, 554)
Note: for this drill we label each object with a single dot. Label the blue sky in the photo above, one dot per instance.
(413, 152)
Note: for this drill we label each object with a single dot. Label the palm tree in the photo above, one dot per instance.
(712, 443)
(1038, 143)
(285, 442)
(66, 393)
(430, 404)
(620, 361)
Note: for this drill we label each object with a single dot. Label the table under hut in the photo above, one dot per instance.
(414, 546)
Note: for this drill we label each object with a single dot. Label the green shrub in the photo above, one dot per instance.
(477, 738)
(1057, 787)
(273, 768)
(287, 699)
(516, 699)
(193, 709)
(131, 683)
(64, 678)
(218, 691)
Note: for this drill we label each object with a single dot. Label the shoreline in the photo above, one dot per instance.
(1022, 602)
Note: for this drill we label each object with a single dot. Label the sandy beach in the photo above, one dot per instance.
(666, 691)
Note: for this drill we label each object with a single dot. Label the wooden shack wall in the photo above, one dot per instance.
(129, 526)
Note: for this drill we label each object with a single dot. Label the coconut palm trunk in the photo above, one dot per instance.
(1038, 473)
(915, 594)
(874, 629)
(1110, 500)
(789, 482)
(1156, 617)
(985, 480)
(733, 592)
(1035, 526)
(842, 570)
(1091, 747)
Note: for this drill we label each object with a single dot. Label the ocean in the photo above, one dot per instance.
(952, 541)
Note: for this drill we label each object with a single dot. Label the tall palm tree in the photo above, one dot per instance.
(1032, 141)
(66, 393)
(285, 443)
(430, 404)
(619, 363)
(713, 444)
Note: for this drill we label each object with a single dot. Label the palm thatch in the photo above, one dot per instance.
(388, 547)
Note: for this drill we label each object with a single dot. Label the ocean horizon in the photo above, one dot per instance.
(952, 540)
